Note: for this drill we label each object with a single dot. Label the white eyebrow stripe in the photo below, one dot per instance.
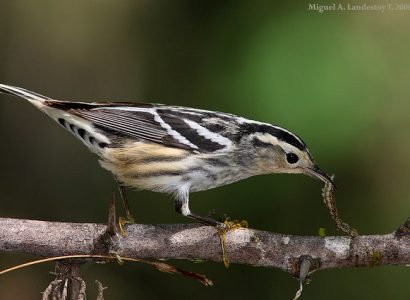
(212, 136)
(267, 138)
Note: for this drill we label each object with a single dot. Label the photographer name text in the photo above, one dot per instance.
(347, 7)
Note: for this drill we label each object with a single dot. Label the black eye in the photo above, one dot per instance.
(292, 158)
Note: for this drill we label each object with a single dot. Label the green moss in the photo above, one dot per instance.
(322, 231)
(375, 258)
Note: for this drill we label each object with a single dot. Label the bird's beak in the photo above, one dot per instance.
(317, 173)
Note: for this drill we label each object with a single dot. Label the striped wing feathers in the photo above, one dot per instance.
(171, 126)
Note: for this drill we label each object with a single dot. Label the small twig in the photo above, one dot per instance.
(112, 219)
(51, 289)
(403, 230)
(108, 241)
(161, 266)
(65, 290)
(81, 291)
(101, 288)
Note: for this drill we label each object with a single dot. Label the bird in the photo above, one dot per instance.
(175, 149)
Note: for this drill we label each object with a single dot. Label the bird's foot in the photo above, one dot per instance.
(223, 229)
(129, 219)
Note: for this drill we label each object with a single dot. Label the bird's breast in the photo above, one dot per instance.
(162, 169)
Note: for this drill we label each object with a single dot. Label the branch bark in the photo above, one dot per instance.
(191, 241)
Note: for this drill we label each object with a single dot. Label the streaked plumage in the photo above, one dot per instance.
(176, 149)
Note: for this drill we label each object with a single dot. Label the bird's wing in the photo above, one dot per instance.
(172, 126)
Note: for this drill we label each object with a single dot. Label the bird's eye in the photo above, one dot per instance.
(292, 158)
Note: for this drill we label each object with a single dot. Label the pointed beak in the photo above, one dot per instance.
(317, 173)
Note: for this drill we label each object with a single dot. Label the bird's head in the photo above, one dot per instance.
(277, 150)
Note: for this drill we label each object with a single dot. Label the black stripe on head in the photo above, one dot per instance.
(287, 137)
(277, 132)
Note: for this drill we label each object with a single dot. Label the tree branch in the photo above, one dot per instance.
(191, 241)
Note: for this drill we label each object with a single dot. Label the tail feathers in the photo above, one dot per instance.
(22, 93)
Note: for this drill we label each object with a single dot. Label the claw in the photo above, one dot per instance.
(122, 221)
(225, 227)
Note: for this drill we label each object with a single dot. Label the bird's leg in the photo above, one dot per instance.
(128, 219)
(206, 220)
(182, 207)
(124, 198)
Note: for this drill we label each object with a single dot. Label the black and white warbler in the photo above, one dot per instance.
(174, 149)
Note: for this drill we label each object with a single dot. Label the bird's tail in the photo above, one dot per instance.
(34, 98)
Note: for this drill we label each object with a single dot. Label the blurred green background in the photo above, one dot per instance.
(338, 79)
